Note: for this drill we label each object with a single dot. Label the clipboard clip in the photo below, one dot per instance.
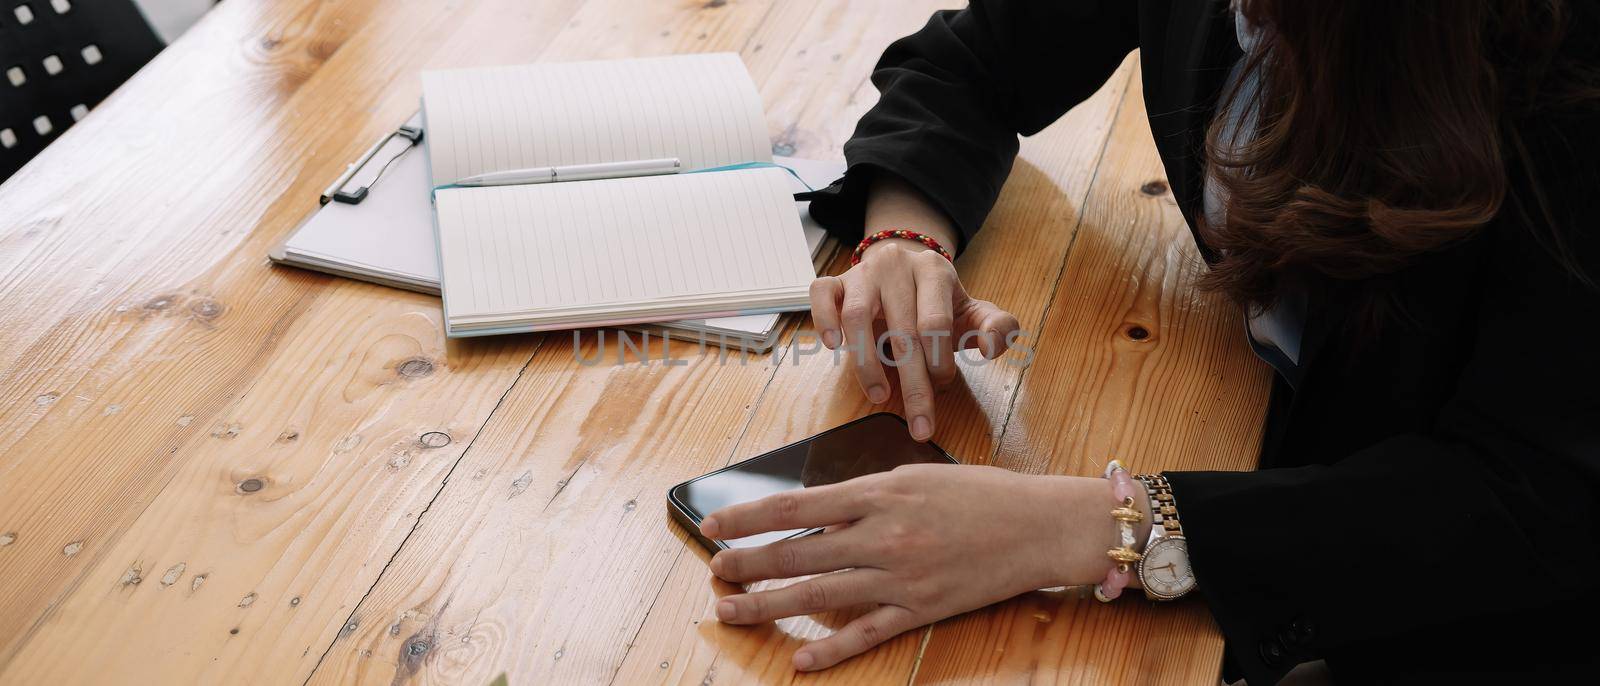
(340, 191)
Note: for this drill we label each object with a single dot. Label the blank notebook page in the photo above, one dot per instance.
(512, 249)
(702, 109)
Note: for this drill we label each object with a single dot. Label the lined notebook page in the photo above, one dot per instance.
(702, 109)
(511, 249)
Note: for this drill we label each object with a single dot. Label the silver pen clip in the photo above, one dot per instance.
(410, 132)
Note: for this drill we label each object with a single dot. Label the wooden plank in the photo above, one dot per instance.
(109, 297)
(281, 517)
(1014, 262)
(1133, 362)
(164, 387)
(538, 557)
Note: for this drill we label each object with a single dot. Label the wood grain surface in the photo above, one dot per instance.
(213, 470)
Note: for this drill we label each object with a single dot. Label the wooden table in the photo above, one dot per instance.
(214, 470)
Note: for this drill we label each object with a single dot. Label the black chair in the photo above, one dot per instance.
(58, 59)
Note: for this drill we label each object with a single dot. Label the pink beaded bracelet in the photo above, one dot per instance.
(1125, 514)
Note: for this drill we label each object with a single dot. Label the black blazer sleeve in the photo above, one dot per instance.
(1490, 512)
(955, 95)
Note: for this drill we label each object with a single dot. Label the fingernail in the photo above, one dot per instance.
(830, 338)
(878, 395)
(803, 660)
(709, 527)
(921, 428)
(725, 611)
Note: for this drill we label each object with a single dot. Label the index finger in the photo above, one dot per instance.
(802, 508)
(826, 292)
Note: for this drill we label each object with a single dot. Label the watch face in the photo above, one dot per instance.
(1165, 570)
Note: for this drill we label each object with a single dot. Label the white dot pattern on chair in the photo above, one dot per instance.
(61, 58)
(8, 139)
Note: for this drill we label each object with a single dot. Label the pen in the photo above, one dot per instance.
(575, 172)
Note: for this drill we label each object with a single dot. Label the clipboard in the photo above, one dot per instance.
(374, 223)
(407, 136)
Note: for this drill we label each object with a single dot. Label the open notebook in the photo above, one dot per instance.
(388, 239)
(608, 252)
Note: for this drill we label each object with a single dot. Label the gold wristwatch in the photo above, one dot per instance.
(1164, 571)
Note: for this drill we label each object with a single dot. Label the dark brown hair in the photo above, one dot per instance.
(1383, 131)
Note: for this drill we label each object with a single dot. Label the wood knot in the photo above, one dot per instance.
(205, 308)
(234, 631)
(521, 484)
(250, 485)
(417, 648)
(1154, 188)
(347, 444)
(713, 4)
(162, 302)
(46, 398)
(1138, 333)
(174, 573)
(8, 538)
(294, 602)
(434, 439)
(415, 368)
(289, 436)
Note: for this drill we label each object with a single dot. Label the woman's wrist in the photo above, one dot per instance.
(1084, 529)
(894, 204)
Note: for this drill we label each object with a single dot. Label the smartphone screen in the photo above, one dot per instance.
(868, 445)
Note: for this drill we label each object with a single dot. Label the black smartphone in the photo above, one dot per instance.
(875, 443)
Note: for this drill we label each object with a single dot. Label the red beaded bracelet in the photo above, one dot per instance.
(855, 258)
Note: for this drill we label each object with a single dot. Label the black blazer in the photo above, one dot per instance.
(1426, 505)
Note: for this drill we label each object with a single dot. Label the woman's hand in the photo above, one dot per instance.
(916, 296)
(924, 542)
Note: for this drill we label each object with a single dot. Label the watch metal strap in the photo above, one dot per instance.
(1163, 508)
